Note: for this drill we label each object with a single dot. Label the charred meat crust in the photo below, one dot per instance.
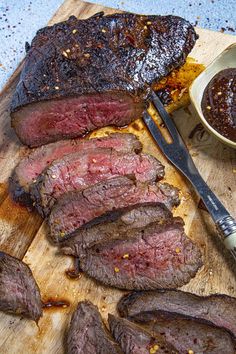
(88, 334)
(81, 75)
(84, 56)
(19, 292)
(181, 302)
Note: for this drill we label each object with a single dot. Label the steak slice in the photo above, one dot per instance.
(156, 256)
(135, 340)
(75, 209)
(189, 335)
(19, 293)
(80, 75)
(218, 309)
(113, 224)
(81, 170)
(88, 334)
(33, 165)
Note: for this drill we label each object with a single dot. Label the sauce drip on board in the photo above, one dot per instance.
(173, 89)
(219, 103)
(51, 303)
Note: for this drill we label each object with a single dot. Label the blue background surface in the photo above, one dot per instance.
(20, 19)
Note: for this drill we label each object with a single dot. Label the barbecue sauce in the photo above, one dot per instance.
(219, 103)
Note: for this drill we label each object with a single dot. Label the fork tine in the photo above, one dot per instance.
(154, 128)
(165, 117)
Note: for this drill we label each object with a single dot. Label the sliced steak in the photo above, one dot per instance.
(113, 224)
(81, 170)
(218, 309)
(29, 168)
(80, 75)
(19, 293)
(190, 335)
(75, 209)
(156, 256)
(135, 340)
(88, 334)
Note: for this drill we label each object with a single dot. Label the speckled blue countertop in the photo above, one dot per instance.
(20, 19)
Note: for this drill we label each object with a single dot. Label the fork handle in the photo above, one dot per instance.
(226, 224)
(227, 230)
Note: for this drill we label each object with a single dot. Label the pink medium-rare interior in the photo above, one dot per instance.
(69, 216)
(151, 256)
(79, 171)
(30, 167)
(47, 121)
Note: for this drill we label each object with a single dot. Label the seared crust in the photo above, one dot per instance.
(120, 52)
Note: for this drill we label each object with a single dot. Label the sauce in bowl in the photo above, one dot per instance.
(219, 103)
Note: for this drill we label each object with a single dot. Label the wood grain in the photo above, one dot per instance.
(23, 234)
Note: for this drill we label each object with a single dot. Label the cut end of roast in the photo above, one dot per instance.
(66, 118)
(67, 89)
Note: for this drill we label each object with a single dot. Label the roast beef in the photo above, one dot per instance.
(113, 224)
(81, 170)
(88, 334)
(135, 340)
(156, 256)
(190, 335)
(218, 309)
(19, 293)
(74, 209)
(85, 74)
(27, 171)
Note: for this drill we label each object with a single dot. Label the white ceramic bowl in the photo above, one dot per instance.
(227, 59)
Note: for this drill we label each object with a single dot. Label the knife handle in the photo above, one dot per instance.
(227, 229)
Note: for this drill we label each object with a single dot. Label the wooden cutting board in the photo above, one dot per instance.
(23, 234)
